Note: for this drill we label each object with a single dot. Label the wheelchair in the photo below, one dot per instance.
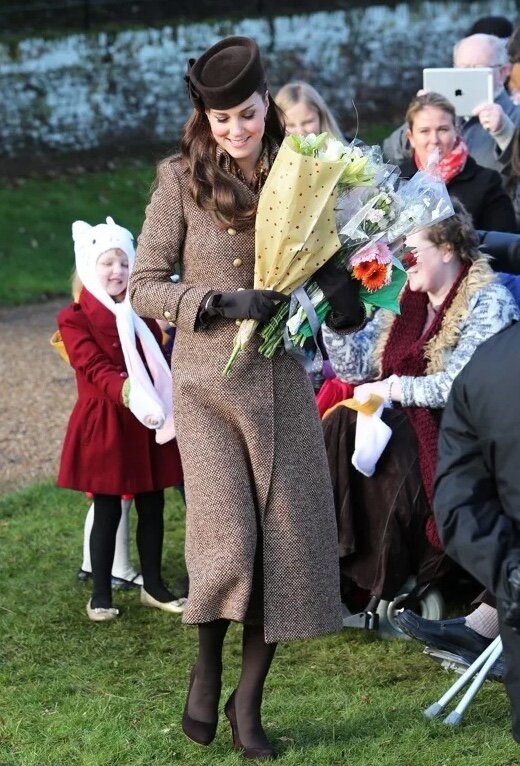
(426, 599)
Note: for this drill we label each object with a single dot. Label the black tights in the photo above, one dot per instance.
(150, 533)
(205, 691)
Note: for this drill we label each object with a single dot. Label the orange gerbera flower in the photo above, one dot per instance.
(372, 275)
(363, 269)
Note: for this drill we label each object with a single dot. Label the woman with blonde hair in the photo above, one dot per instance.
(435, 140)
(305, 110)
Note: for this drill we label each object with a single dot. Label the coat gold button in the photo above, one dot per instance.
(168, 314)
(238, 322)
(231, 231)
(237, 262)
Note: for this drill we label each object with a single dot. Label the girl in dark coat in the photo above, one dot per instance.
(107, 450)
(431, 128)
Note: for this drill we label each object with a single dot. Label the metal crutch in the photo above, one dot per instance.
(479, 670)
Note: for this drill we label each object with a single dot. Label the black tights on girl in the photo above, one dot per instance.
(150, 533)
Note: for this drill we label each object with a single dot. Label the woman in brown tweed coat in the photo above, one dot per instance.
(261, 540)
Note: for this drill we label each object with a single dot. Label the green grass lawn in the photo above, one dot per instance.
(36, 249)
(73, 693)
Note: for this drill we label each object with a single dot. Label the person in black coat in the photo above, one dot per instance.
(477, 487)
(433, 136)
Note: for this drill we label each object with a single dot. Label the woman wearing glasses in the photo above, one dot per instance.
(451, 304)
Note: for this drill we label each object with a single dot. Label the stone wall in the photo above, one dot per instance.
(86, 91)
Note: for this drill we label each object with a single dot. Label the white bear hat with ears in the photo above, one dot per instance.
(90, 242)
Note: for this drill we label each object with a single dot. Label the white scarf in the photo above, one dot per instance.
(372, 436)
(150, 400)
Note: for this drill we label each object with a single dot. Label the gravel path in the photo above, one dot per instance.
(37, 392)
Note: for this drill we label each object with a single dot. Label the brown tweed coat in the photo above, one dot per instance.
(251, 444)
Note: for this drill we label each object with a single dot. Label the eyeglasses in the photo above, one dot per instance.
(481, 66)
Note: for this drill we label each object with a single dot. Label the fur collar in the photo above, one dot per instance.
(479, 275)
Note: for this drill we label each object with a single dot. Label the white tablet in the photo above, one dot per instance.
(465, 88)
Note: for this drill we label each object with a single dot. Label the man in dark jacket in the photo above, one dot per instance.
(477, 491)
(489, 131)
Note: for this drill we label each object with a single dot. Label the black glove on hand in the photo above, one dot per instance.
(512, 608)
(243, 304)
(342, 292)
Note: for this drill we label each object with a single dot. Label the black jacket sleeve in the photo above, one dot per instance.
(497, 212)
(471, 522)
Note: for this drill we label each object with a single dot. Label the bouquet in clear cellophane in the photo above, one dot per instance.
(424, 201)
(371, 222)
(363, 215)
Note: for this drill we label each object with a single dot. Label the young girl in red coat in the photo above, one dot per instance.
(120, 436)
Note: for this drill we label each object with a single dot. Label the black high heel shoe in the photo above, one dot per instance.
(267, 753)
(201, 732)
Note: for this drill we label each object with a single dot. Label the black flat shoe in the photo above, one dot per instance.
(201, 732)
(83, 575)
(119, 583)
(449, 635)
(266, 753)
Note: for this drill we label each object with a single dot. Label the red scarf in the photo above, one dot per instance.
(404, 355)
(450, 165)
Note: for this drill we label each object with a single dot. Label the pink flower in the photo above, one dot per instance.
(375, 251)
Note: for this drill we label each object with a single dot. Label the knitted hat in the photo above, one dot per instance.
(499, 26)
(225, 75)
(90, 242)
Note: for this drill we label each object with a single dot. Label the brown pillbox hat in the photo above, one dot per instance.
(225, 75)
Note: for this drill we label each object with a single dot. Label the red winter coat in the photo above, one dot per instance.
(106, 449)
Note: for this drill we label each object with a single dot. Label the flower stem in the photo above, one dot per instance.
(237, 348)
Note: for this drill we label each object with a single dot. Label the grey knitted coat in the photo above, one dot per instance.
(251, 444)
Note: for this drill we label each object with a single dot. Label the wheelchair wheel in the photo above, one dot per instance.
(431, 607)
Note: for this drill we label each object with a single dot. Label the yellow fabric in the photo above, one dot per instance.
(299, 190)
(369, 407)
(55, 340)
(295, 228)
(59, 346)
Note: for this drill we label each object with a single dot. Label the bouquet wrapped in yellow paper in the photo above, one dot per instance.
(295, 231)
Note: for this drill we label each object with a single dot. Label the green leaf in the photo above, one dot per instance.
(387, 297)
(319, 142)
(306, 145)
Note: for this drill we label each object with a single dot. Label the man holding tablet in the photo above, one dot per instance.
(488, 131)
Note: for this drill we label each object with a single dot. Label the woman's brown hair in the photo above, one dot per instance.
(212, 188)
(458, 233)
(429, 100)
